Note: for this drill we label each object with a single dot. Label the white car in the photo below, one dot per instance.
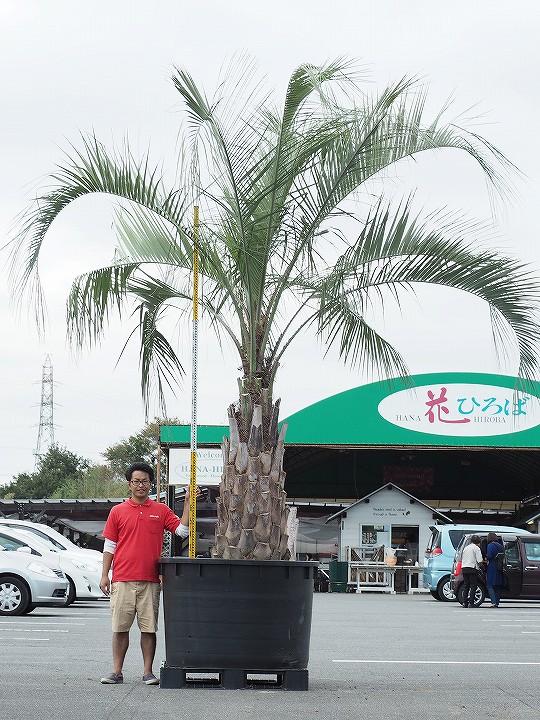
(82, 567)
(60, 541)
(28, 579)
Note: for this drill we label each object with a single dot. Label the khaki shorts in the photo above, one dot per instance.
(135, 598)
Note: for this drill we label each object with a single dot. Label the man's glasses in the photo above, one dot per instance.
(140, 482)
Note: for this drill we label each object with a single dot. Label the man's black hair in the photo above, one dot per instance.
(143, 467)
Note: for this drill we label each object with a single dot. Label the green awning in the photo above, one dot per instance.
(467, 410)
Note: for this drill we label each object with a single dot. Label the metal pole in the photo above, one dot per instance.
(158, 470)
(169, 501)
(193, 444)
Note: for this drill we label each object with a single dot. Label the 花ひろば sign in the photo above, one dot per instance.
(461, 409)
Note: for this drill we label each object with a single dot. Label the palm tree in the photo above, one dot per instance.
(286, 245)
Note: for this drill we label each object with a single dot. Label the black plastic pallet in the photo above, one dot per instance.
(232, 678)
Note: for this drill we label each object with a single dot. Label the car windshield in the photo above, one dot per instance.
(461, 544)
(11, 544)
(466, 540)
(60, 540)
(455, 537)
(43, 537)
(433, 540)
(34, 540)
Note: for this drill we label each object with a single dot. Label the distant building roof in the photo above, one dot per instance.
(390, 486)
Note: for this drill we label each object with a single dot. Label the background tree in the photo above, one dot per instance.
(99, 481)
(57, 468)
(297, 235)
(142, 446)
(63, 474)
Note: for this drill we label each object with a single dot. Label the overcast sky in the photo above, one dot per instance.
(67, 67)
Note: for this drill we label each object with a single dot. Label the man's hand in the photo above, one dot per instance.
(197, 495)
(185, 514)
(105, 585)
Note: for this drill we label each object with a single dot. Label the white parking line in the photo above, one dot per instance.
(509, 620)
(33, 630)
(18, 622)
(501, 609)
(435, 662)
(100, 616)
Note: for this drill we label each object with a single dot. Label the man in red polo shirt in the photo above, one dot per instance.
(133, 543)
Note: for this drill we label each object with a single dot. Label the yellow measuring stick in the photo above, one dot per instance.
(193, 464)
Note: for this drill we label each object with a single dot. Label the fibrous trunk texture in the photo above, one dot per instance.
(251, 510)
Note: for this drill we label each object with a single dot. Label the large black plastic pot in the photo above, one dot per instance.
(245, 614)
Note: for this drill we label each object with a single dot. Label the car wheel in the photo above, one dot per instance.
(14, 596)
(445, 591)
(28, 609)
(479, 596)
(71, 593)
(435, 594)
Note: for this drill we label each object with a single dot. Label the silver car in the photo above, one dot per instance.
(28, 579)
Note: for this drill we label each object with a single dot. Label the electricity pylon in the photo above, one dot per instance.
(45, 438)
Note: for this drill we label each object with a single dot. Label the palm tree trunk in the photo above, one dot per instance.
(251, 510)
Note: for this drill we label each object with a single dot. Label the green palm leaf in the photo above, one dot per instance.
(394, 252)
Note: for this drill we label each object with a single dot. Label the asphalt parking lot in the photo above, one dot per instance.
(372, 656)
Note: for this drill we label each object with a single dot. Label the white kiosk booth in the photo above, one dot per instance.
(382, 536)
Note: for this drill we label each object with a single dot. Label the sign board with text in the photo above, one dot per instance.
(209, 466)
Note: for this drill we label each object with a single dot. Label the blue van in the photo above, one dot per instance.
(440, 552)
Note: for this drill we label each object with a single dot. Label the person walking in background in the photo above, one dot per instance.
(494, 574)
(471, 562)
(133, 543)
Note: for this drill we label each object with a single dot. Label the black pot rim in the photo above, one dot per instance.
(175, 560)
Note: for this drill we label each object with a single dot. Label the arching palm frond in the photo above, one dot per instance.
(157, 300)
(395, 251)
(88, 171)
(92, 297)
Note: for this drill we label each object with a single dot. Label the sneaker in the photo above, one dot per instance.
(150, 679)
(113, 679)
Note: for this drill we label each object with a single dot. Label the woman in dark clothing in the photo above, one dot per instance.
(494, 577)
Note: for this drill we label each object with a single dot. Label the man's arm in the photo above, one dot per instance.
(478, 553)
(182, 530)
(185, 512)
(105, 583)
(109, 546)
